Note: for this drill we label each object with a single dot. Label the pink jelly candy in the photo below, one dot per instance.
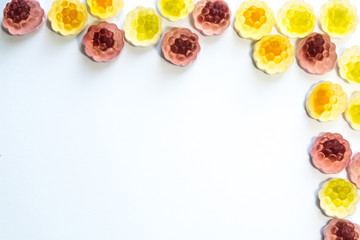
(341, 229)
(354, 170)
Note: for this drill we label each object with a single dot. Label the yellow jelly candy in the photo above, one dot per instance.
(338, 18)
(338, 198)
(174, 10)
(105, 8)
(68, 17)
(352, 114)
(254, 19)
(142, 27)
(326, 102)
(273, 54)
(349, 64)
(296, 19)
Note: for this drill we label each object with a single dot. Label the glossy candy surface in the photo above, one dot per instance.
(352, 114)
(254, 19)
(349, 64)
(174, 10)
(341, 229)
(104, 9)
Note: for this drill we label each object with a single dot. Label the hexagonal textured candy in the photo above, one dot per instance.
(68, 17)
(211, 17)
(273, 54)
(352, 114)
(23, 16)
(174, 10)
(331, 153)
(296, 19)
(349, 64)
(338, 198)
(104, 9)
(338, 18)
(316, 54)
(326, 101)
(341, 229)
(142, 27)
(254, 19)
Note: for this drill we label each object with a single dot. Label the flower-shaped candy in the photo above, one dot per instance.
(142, 27)
(338, 198)
(341, 229)
(180, 46)
(326, 102)
(352, 114)
(254, 19)
(296, 19)
(349, 64)
(68, 17)
(273, 54)
(174, 10)
(103, 42)
(23, 16)
(338, 18)
(316, 54)
(354, 170)
(331, 153)
(105, 8)
(211, 17)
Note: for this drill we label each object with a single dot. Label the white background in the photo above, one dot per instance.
(140, 149)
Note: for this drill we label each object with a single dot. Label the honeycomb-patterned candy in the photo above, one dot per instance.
(349, 64)
(23, 16)
(352, 114)
(326, 102)
(296, 19)
(142, 27)
(68, 17)
(103, 42)
(104, 9)
(316, 54)
(338, 18)
(354, 170)
(254, 19)
(338, 198)
(180, 46)
(331, 153)
(211, 17)
(341, 229)
(273, 54)
(174, 10)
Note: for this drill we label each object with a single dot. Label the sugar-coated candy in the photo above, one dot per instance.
(211, 17)
(104, 9)
(338, 18)
(296, 19)
(174, 10)
(23, 16)
(254, 19)
(326, 101)
(316, 54)
(349, 64)
(68, 17)
(354, 170)
(338, 198)
(352, 114)
(341, 229)
(273, 54)
(142, 27)
(331, 153)
(180, 46)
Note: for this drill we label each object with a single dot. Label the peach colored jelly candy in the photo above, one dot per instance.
(180, 46)
(211, 17)
(142, 27)
(326, 101)
(68, 17)
(23, 16)
(352, 114)
(316, 54)
(354, 170)
(338, 18)
(341, 229)
(273, 54)
(296, 19)
(174, 10)
(331, 153)
(104, 9)
(338, 198)
(103, 42)
(254, 19)
(349, 64)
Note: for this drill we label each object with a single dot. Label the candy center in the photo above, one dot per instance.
(345, 231)
(103, 3)
(104, 39)
(316, 48)
(173, 7)
(273, 50)
(184, 45)
(148, 26)
(18, 11)
(214, 12)
(333, 150)
(299, 21)
(69, 15)
(355, 113)
(255, 17)
(324, 99)
(353, 71)
(340, 19)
